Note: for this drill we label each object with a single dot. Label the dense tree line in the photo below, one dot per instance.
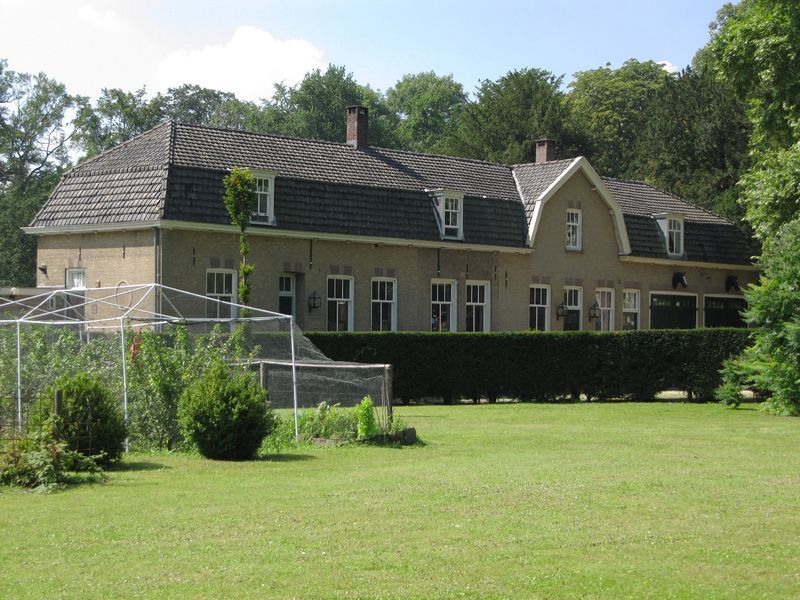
(687, 133)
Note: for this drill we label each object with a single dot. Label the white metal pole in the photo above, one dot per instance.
(19, 383)
(294, 379)
(124, 378)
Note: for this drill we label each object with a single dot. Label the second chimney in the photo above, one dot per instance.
(357, 126)
(545, 150)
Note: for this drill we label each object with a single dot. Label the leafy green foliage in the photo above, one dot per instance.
(428, 107)
(365, 417)
(772, 363)
(41, 462)
(510, 114)
(694, 142)
(611, 107)
(543, 366)
(226, 414)
(755, 46)
(240, 202)
(91, 422)
(328, 421)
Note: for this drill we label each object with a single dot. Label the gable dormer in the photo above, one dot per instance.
(449, 208)
(672, 229)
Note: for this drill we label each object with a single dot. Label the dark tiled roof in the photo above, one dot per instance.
(223, 149)
(535, 178)
(641, 199)
(351, 210)
(174, 171)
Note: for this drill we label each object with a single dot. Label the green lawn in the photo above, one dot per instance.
(590, 500)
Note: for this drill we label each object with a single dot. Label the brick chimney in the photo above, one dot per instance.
(545, 150)
(357, 126)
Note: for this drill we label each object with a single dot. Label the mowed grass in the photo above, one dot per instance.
(591, 500)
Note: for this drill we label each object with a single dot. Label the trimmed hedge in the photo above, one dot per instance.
(551, 366)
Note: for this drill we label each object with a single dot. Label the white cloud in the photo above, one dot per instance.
(104, 21)
(668, 66)
(248, 65)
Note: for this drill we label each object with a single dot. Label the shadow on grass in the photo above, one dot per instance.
(135, 465)
(288, 457)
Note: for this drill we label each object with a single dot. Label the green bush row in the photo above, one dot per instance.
(536, 366)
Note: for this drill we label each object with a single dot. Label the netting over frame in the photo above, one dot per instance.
(95, 330)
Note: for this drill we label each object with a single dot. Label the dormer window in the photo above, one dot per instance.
(265, 198)
(671, 226)
(675, 237)
(450, 208)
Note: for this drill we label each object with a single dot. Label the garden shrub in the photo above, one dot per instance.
(366, 427)
(328, 421)
(91, 421)
(543, 366)
(39, 461)
(226, 414)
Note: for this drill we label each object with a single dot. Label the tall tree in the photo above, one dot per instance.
(508, 116)
(34, 151)
(755, 46)
(117, 117)
(428, 107)
(611, 108)
(694, 143)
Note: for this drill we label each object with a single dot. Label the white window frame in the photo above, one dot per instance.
(671, 293)
(637, 310)
(486, 304)
(453, 302)
(232, 297)
(443, 198)
(339, 300)
(546, 306)
(675, 235)
(265, 198)
(578, 306)
(290, 294)
(574, 242)
(607, 313)
(69, 279)
(392, 302)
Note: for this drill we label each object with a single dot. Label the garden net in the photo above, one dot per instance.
(147, 342)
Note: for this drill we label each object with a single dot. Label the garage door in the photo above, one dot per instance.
(724, 312)
(668, 311)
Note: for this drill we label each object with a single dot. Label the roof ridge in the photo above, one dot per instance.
(674, 196)
(548, 162)
(447, 156)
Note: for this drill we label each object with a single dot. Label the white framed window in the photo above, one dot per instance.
(478, 306)
(675, 236)
(573, 308)
(75, 279)
(539, 308)
(574, 225)
(605, 302)
(450, 207)
(220, 287)
(443, 305)
(265, 198)
(384, 304)
(631, 306)
(286, 294)
(340, 303)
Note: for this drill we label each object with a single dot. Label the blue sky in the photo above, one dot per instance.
(245, 46)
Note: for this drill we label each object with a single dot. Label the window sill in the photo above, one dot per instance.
(574, 250)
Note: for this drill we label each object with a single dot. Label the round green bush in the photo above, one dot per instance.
(91, 421)
(226, 415)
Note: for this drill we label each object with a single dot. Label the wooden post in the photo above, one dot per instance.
(58, 410)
